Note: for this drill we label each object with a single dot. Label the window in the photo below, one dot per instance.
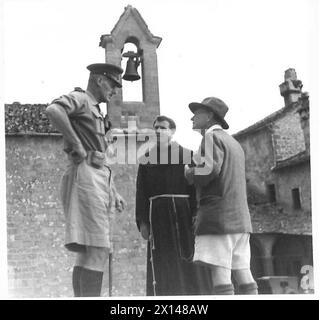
(296, 198)
(271, 190)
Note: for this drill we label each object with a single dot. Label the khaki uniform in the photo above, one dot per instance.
(86, 188)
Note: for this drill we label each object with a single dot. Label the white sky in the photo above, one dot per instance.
(235, 50)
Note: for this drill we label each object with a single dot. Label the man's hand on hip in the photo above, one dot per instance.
(78, 153)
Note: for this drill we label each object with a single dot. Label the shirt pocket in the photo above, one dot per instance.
(99, 122)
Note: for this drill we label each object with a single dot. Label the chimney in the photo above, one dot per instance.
(290, 89)
(303, 111)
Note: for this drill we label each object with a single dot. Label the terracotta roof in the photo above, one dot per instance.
(298, 158)
(262, 123)
(27, 118)
(271, 218)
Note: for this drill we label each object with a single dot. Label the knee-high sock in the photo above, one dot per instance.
(76, 275)
(248, 288)
(224, 289)
(91, 283)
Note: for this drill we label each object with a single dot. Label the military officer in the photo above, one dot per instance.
(87, 187)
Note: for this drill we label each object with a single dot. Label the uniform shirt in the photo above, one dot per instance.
(86, 119)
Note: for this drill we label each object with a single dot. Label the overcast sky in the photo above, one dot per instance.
(235, 50)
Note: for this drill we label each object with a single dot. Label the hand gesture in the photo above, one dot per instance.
(145, 232)
(119, 202)
(78, 153)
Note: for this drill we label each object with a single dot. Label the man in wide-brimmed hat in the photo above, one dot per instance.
(87, 188)
(222, 224)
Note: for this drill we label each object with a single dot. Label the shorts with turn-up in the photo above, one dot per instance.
(85, 195)
(231, 251)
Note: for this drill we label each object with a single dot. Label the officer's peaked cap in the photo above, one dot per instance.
(109, 70)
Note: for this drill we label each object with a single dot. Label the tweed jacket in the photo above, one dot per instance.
(220, 184)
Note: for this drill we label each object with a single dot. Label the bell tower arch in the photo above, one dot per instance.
(131, 28)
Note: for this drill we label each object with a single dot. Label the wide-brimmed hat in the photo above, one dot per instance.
(109, 70)
(217, 106)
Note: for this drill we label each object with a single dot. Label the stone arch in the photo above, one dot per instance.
(256, 263)
(132, 28)
(132, 90)
(288, 254)
(134, 40)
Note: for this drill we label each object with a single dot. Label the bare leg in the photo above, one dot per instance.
(221, 278)
(246, 282)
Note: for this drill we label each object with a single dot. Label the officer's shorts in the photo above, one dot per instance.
(85, 195)
(231, 251)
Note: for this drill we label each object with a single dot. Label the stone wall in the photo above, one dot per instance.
(273, 143)
(288, 137)
(38, 263)
(295, 177)
(259, 160)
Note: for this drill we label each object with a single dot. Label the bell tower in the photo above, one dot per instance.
(131, 28)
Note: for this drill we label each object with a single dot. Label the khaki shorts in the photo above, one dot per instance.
(231, 251)
(85, 195)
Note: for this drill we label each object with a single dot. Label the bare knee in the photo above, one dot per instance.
(243, 276)
(220, 275)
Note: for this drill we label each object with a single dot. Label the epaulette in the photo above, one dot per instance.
(78, 89)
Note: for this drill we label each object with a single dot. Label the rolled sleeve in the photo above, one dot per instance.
(72, 103)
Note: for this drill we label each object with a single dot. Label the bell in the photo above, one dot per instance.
(131, 70)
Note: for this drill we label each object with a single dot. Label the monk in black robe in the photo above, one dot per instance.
(165, 205)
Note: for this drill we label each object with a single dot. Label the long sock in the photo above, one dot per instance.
(76, 276)
(224, 289)
(91, 283)
(248, 288)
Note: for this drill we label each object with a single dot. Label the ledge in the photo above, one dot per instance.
(297, 159)
(30, 133)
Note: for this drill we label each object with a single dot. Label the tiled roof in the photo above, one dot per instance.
(27, 118)
(271, 218)
(301, 157)
(261, 123)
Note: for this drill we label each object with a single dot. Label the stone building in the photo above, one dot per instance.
(278, 180)
(277, 151)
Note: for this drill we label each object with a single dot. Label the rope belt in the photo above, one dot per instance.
(169, 196)
(152, 244)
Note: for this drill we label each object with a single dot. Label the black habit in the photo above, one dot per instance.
(172, 271)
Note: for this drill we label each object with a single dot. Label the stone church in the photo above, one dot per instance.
(278, 179)
(277, 151)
